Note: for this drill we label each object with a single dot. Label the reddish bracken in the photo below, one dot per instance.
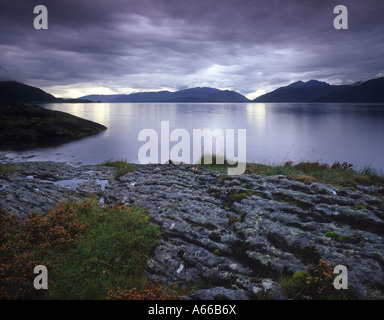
(31, 242)
(155, 292)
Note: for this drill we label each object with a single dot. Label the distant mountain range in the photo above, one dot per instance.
(371, 91)
(300, 92)
(188, 95)
(310, 91)
(317, 91)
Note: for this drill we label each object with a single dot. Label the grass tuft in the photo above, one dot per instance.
(338, 174)
(7, 169)
(214, 165)
(123, 167)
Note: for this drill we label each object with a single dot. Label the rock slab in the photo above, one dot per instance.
(239, 234)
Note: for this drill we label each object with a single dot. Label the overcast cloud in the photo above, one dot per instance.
(251, 46)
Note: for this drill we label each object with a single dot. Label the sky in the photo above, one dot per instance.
(250, 46)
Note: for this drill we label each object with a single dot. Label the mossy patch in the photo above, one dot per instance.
(237, 196)
(243, 214)
(344, 239)
(287, 198)
(215, 192)
(347, 239)
(316, 283)
(256, 280)
(316, 215)
(332, 235)
(8, 169)
(299, 279)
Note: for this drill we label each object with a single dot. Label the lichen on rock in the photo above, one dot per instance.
(227, 232)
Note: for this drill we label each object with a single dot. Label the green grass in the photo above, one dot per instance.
(91, 251)
(7, 169)
(332, 235)
(214, 165)
(317, 283)
(347, 176)
(345, 239)
(123, 167)
(111, 256)
(338, 174)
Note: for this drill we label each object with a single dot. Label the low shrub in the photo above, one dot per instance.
(316, 283)
(155, 291)
(88, 250)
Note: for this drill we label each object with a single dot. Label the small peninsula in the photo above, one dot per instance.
(30, 126)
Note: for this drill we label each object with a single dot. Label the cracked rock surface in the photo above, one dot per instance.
(226, 231)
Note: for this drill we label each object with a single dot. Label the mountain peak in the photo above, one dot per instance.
(309, 84)
(299, 91)
(16, 92)
(319, 91)
(297, 84)
(196, 94)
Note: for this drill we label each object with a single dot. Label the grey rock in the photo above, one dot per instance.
(219, 293)
(272, 229)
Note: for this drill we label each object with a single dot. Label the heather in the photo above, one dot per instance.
(90, 251)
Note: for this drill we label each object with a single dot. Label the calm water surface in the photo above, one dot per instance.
(275, 132)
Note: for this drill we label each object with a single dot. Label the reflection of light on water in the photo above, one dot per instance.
(296, 132)
(96, 112)
(256, 115)
(256, 145)
(75, 109)
(102, 114)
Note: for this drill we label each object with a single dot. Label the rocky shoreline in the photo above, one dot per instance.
(240, 234)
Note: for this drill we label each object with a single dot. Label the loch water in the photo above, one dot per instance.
(275, 132)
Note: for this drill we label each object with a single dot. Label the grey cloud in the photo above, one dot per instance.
(148, 44)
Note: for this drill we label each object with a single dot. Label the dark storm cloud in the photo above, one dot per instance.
(147, 45)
